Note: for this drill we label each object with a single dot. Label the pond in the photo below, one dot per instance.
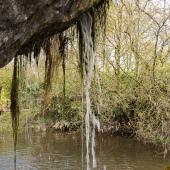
(51, 151)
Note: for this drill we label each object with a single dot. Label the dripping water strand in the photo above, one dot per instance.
(87, 60)
(99, 101)
(95, 122)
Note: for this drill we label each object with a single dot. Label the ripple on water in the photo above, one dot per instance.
(63, 152)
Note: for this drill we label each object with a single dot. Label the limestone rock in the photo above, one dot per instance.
(23, 22)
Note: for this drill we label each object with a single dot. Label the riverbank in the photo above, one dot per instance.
(41, 125)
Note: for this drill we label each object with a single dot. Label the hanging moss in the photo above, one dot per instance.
(48, 65)
(37, 50)
(15, 101)
(63, 43)
(99, 15)
(49, 71)
(53, 60)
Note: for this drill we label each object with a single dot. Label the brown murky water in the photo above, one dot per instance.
(63, 152)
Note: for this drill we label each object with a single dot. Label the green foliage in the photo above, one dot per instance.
(5, 81)
(66, 109)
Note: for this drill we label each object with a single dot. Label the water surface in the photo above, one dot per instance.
(63, 152)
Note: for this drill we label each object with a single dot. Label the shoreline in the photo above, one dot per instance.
(64, 127)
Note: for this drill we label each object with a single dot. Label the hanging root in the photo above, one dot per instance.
(15, 100)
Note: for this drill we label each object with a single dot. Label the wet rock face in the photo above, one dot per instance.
(23, 22)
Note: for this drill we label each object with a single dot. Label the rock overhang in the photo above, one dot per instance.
(23, 22)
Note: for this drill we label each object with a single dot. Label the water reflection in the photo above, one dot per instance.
(63, 152)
